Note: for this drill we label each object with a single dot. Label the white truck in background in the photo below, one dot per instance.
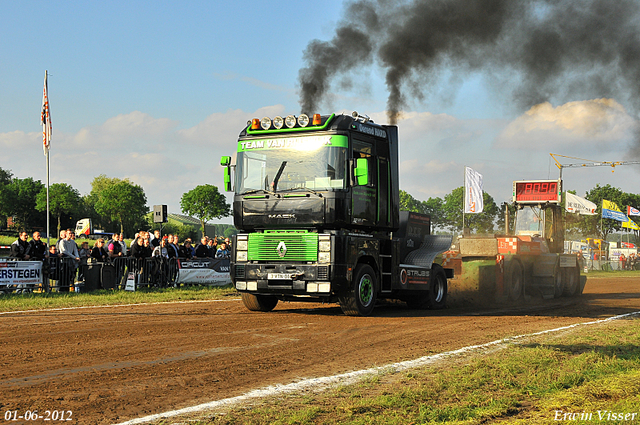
(84, 229)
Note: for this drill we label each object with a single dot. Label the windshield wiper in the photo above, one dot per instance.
(302, 187)
(259, 190)
(274, 184)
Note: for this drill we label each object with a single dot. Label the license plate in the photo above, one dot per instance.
(279, 276)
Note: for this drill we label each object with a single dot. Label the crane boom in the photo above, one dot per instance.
(588, 163)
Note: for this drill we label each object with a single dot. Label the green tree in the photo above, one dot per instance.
(6, 195)
(123, 202)
(409, 203)
(434, 207)
(480, 223)
(63, 199)
(21, 195)
(204, 202)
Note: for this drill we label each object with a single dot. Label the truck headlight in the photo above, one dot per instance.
(242, 245)
(324, 246)
(242, 255)
(324, 257)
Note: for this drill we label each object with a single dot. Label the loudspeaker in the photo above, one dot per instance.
(159, 213)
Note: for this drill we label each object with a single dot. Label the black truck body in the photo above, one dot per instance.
(317, 209)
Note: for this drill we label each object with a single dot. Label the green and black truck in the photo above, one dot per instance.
(316, 204)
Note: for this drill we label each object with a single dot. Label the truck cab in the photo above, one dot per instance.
(316, 203)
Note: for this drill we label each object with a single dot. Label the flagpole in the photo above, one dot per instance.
(48, 232)
(464, 195)
(46, 139)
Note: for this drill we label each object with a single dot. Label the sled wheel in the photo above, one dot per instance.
(515, 281)
(559, 282)
(571, 277)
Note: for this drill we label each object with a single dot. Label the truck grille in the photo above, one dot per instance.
(283, 245)
(323, 273)
(240, 271)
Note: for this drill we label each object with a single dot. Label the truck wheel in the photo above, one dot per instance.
(437, 288)
(361, 300)
(514, 281)
(571, 278)
(259, 302)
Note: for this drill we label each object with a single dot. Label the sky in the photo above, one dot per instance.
(157, 92)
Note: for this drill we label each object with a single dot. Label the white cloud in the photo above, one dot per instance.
(581, 124)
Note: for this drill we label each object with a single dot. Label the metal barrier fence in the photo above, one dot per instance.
(66, 274)
(610, 265)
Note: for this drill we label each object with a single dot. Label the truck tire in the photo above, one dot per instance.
(514, 281)
(437, 288)
(436, 297)
(361, 300)
(571, 276)
(259, 302)
(558, 281)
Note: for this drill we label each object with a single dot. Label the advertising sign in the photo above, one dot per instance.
(204, 271)
(20, 273)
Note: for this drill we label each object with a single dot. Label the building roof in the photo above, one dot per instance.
(184, 219)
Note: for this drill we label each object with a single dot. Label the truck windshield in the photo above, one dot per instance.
(315, 166)
(530, 221)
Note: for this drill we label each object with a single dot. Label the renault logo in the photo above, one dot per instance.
(281, 249)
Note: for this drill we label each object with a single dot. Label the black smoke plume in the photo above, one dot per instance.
(535, 50)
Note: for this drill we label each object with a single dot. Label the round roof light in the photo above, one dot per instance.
(290, 121)
(278, 122)
(303, 120)
(265, 123)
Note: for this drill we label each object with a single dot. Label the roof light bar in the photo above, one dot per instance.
(290, 121)
(303, 120)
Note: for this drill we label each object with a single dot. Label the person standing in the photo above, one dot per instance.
(114, 247)
(37, 248)
(20, 248)
(202, 250)
(98, 252)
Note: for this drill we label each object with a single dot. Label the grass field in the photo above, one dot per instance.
(591, 375)
(35, 301)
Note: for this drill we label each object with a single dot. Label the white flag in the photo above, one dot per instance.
(473, 202)
(576, 204)
(45, 117)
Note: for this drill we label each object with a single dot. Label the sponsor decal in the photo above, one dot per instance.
(307, 142)
(373, 131)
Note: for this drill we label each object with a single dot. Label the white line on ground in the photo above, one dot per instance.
(351, 377)
(114, 305)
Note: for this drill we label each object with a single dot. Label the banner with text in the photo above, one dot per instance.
(204, 271)
(632, 211)
(612, 211)
(473, 201)
(20, 273)
(578, 205)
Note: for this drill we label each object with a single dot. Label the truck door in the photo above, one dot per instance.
(364, 200)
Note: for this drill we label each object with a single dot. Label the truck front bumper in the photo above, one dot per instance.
(289, 279)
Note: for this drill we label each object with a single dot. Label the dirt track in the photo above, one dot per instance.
(112, 364)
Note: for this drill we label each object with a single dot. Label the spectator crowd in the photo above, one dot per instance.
(145, 245)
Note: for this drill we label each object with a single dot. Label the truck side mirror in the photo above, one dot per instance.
(225, 161)
(361, 172)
